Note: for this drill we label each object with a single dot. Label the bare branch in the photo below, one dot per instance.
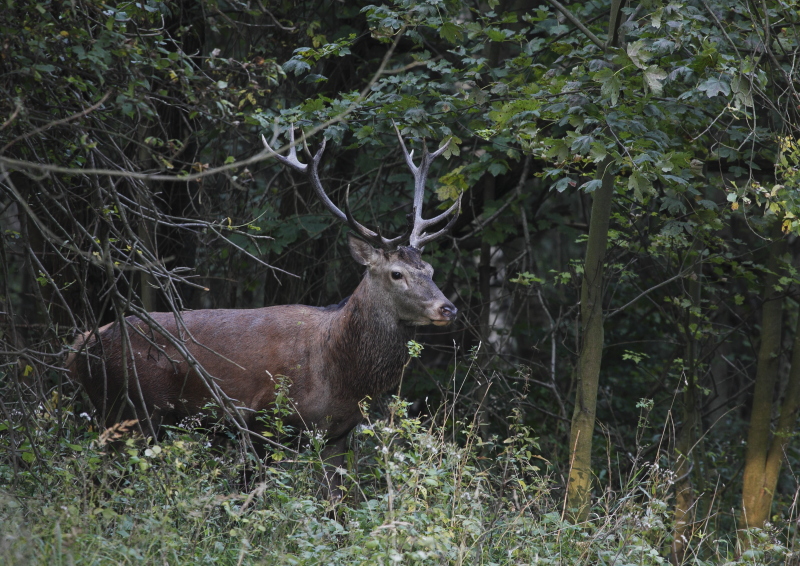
(578, 24)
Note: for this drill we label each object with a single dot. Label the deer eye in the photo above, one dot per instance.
(396, 275)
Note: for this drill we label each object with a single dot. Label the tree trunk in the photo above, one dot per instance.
(764, 453)
(685, 442)
(146, 229)
(484, 284)
(591, 354)
(786, 423)
(485, 268)
(591, 351)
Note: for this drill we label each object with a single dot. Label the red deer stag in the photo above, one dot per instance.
(331, 357)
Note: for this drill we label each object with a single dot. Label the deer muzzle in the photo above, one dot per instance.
(448, 313)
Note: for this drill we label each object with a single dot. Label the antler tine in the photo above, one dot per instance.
(417, 238)
(292, 160)
(436, 219)
(311, 171)
(359, 228)
(373, 238)
(428, 238)
(408, 156)
(392, 243)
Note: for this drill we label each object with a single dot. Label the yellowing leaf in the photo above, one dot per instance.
(638, 53)
(655, 77)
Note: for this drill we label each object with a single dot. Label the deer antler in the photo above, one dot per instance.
(311, 170)
(417, 225)
(418, 238)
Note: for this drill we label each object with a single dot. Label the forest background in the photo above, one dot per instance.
(623, 381)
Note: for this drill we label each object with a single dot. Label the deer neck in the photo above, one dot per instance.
(370, 344)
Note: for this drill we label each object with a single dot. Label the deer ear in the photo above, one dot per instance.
(361, 251)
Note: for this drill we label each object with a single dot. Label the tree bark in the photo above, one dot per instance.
(484, 284)
(786, 423)
(485, 268)
(685, 442)
(146, 229)
(591, 353)
(764, 452)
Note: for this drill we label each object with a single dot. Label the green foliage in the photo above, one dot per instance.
(414, 497)
(414, 348)
(696, 107)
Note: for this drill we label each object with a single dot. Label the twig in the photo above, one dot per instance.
(578, 24)
(514, 195)
(49, 125)
(261, 156)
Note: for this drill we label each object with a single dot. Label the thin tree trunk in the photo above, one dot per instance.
(763, 455)
(146, 232)
(591, 354)
(684, 490)
(786, 425)
(485, 268)
(591, 350)
(484, 284)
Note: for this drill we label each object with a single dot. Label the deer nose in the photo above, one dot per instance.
(448, 311)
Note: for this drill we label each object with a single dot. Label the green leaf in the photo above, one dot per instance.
(453, 149)
(597, 152)
(296, 66)
(562, 184)
(591, 186)
(611, 84)
(495, 35)
(638, 183)
(314, 104)
(582, 144)
(714, 86)
(452, 184)
(514, 108)
(675, 228)
(526, 279)
(742, 91)
(450, 32)
(498, 168)
(633, 356)
(415, 115)
(558, 150)
(365, 132)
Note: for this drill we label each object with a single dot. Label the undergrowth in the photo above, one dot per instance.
(413, 496)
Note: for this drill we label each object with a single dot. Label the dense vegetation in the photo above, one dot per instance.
(623, 382)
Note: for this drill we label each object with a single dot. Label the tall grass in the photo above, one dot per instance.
(413, 496)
